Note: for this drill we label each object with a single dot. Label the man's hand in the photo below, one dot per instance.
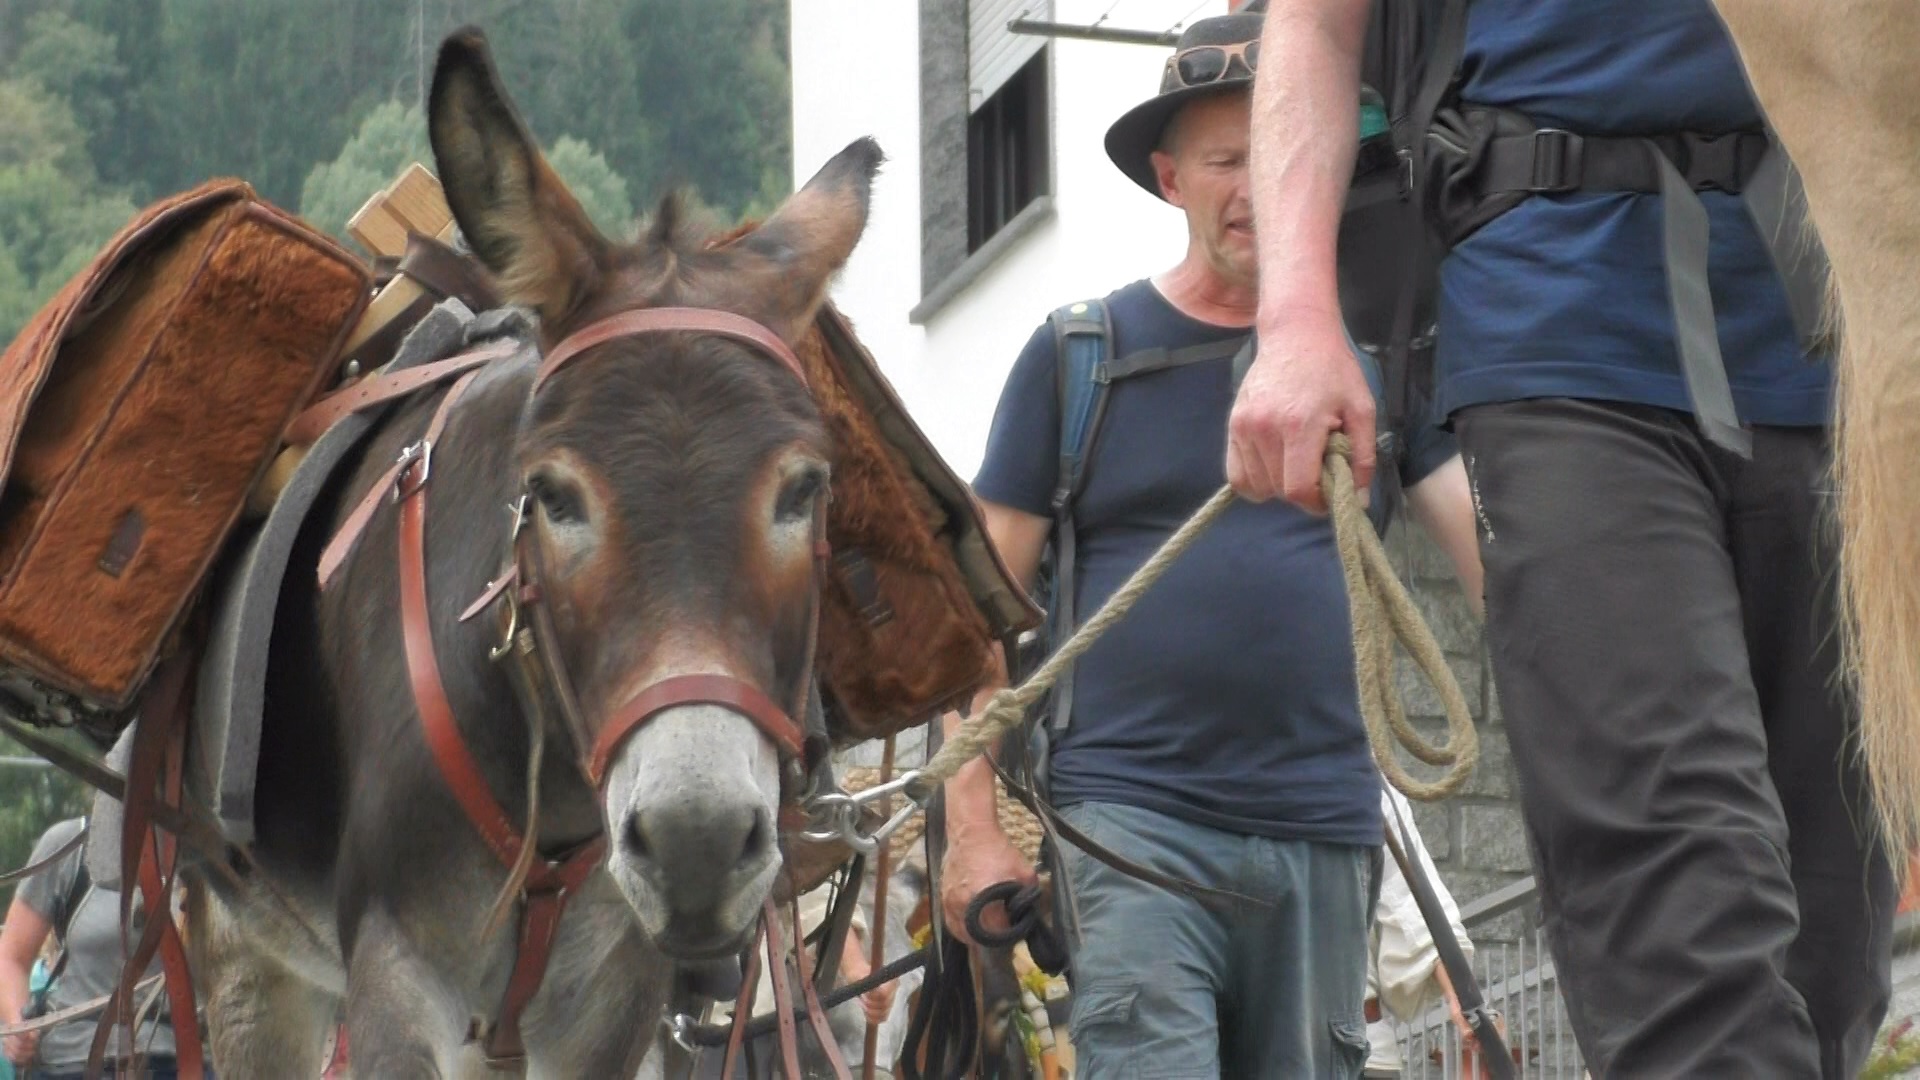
(1304, 384)
(977, 858)
(21, 1049)
(877, 1002)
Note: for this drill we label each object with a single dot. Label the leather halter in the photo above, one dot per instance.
(550, 882)
(661, 320)
(774, 721)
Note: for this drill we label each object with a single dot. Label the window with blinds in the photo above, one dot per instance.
(995, 54)
(1009, 113)
(1008, 164)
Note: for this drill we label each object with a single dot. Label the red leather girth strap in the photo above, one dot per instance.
(158, 760)
(550, 883)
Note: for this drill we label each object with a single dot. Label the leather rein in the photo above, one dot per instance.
(538, 676)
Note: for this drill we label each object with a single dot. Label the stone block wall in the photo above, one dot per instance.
(1475, 837)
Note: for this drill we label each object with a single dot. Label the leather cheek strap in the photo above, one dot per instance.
(722, 690)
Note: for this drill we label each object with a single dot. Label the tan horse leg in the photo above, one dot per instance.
(1839, 82)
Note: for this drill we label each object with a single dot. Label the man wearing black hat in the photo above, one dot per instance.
(1621, 349)
(1214, 734)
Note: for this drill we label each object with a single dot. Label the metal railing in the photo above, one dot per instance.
(1517, 978)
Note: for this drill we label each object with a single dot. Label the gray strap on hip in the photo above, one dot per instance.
(1778, 205)
(1685, 231)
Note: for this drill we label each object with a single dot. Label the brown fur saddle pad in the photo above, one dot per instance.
(917, 597)
(137, 410)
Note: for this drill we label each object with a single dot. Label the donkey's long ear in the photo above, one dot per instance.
(809, 238)
(519, 217)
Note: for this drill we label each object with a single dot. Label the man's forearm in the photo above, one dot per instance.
(972, 798)
(13, 989)
(1305, 138)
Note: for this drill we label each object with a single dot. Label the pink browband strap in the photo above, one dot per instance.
(664, 320)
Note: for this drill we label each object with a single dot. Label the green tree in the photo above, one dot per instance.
(54, 215)
(602, 194)
(75, 63)
(32, 798)
(394, 135)
(390, 137)
(37, 127)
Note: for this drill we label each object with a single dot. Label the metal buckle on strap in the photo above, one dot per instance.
(835, 815)
(1721, 162)
(413, 467)
(1557, 161)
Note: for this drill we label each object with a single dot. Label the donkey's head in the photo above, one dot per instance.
(677, 481)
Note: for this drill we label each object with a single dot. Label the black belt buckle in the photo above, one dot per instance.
(1556, 161)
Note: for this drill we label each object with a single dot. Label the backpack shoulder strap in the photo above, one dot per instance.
(1083, 340)
(76, 894)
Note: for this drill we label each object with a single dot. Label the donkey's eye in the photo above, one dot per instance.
(558, 502)
(796, 498)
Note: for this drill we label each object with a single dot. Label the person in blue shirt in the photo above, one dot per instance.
(1215, 732)
(1660, 604)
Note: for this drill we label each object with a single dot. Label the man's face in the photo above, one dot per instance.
(1202, 166)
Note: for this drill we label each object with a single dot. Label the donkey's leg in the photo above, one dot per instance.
(264, 1020)
(401, 1019)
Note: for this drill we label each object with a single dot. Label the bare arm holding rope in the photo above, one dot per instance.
(20, 942)
(979, 853)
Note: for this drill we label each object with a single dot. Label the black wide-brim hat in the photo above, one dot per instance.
(1134, 137)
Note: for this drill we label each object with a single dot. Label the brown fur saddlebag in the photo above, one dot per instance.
(916, 596)
(136, 411)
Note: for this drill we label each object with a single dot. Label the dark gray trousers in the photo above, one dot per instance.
(1661, 622)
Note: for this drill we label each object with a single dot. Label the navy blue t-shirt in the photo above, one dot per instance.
(1566, 295)
(1226, 697)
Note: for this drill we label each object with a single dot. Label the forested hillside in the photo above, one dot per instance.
(106, 105)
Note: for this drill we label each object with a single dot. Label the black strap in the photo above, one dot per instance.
(1436, 77)
(1493, 1048)
(826, 964)
(1551, 161)
(446, 272)
(1221, 900)
(1685, 237)
(1147, 361)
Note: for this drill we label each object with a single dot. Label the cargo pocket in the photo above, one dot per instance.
(1102, 1027)
(1350, 1048)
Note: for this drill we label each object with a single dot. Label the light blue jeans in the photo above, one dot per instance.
(1164, 987)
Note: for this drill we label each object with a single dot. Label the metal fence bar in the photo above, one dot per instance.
(1518, 978)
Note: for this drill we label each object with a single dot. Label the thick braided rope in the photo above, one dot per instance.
(1382, 610)
(1009, 707)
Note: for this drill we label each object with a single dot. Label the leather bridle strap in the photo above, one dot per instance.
(722, 690)
(423, 667)
(375, 390)
(743, 1005)
(549, 887)
(661, 320)
(334, 555)
(817, 1016)
(782, 992)
(549, 884)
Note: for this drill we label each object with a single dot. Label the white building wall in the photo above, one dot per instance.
(856, 72)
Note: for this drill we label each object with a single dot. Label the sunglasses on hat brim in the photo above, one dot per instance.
(1205, 64)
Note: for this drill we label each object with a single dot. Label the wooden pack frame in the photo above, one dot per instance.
(137, 410)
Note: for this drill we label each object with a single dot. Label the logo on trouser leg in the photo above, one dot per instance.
(1479, 508)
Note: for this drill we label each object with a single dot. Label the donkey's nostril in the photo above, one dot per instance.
(633, 839)
(759, 836)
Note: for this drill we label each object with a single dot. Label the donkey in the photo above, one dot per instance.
(1838, 82)
(670, 488)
